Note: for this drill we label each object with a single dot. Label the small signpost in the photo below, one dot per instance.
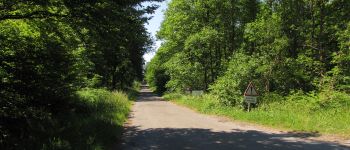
(250, 95)
(197, 92)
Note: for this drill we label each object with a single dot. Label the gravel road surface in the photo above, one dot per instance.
(160, 125)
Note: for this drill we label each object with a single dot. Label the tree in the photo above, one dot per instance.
(49, 49)
(286, 46)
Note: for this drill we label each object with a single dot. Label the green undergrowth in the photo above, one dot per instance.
(306, 112)
(95, 123)
(133, 92)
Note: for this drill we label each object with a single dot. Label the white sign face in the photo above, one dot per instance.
(250, 99)
(251, 91)
(197, 93)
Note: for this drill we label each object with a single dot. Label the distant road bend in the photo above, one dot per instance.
(160, 125)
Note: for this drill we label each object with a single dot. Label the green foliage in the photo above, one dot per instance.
(230, 87)
(295, 52)
(279, 46)
(205, 103)
(133, 92)
(38, 81)
(183, 73)
(51, 49)
(136, 85)
(96, 123)
(341, 71)
(199, 39)
(156, 76)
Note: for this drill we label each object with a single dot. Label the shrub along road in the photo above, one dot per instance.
(158, 124)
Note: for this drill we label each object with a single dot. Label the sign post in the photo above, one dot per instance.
(250, 95)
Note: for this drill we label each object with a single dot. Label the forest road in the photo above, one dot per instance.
(156, 124)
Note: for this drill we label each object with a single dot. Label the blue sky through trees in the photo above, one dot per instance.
(154, 25)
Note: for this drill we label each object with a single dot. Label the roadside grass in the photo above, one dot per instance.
(94, 123)
(298, 112)
(133, 92)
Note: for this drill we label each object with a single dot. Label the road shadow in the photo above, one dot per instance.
(147, 95)
(135, 138)
(205, 139)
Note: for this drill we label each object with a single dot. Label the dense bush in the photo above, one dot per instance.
(231, 86)
(38, 80)
(156, 76)
(280, 46)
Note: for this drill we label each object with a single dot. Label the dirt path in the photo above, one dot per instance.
(156, 124)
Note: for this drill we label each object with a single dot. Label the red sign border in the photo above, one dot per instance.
(251, 85)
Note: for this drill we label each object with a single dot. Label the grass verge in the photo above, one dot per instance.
(297, 112)
(95, 123)
(133, 92)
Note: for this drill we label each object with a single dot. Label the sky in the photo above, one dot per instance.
(154, 25)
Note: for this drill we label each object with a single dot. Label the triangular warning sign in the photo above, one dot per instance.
(251, 91)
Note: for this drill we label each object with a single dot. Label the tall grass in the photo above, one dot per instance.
(109, 106)
(94, 123)
(133, 91)
(323, 112)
